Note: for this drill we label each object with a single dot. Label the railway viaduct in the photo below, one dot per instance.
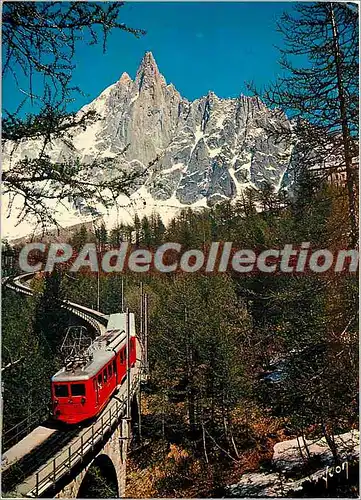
(105, 465)
(48, 462)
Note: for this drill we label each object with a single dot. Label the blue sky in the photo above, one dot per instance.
(198, 46)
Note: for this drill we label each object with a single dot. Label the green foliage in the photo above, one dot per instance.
(213, 337)
(97, 485)
(80, 238)
(26, 383)
(50, 319)
(319, 88)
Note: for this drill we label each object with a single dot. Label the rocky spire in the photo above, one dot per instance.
(125, 78)
(148, 62)
(147, 72)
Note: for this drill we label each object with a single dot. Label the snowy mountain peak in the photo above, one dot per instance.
(202, 151)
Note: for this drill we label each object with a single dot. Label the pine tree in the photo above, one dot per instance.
(321, 93)
(116, 236)
(146, 236)
(26, 383)
(101, 235)
(40, 40)
(137, 229)
(158, 229)
(198, 329)
(51, 319)
(79, 238)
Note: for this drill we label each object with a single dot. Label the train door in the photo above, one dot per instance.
(103, 386)
(115, 371)
(100, 385)
(96, 392)
(123, 364)
(60, 400)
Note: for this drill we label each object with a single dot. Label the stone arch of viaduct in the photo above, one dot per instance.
(103, 473)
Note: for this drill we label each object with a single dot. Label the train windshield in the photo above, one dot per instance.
(77, 389)
(61, 391)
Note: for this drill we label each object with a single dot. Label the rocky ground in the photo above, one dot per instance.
(292, 467)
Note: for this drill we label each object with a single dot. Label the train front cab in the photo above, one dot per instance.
(79, 400)
(75, 401)
(72, 401)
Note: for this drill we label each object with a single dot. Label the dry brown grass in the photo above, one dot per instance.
(174, 470)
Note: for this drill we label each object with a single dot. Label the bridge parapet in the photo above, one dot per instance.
(64, 462)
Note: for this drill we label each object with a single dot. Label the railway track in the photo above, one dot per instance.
(96, 319)
(54, 456)
(15, 473)
(46, 454)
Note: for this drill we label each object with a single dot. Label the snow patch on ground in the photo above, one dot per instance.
(214, 152)
(173, 168)
(11, 229)
(87, 139)
(143, 204)
(123, 212)
(288, 457)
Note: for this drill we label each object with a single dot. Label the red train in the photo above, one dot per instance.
(81, 392)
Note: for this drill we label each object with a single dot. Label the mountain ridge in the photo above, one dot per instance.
(224, 144)
(202, 151)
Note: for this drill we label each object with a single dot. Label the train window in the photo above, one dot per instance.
(114, 367)
(105, 376)
(77, 389)
(61, 391)
(100, 380)
(110, 371)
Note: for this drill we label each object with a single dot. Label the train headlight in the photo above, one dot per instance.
(82, 400)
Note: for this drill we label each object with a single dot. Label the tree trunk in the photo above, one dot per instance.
(350, 179)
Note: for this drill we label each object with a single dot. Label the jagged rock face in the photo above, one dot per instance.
(210, 148)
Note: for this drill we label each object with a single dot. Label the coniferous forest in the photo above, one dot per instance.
(237, 363)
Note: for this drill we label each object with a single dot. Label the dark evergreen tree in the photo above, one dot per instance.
(146, 236)
(321, 93)
(101, 235)
(158, 229)
(51, 319)
(116, 236)
(137, 229)
(79, 238)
